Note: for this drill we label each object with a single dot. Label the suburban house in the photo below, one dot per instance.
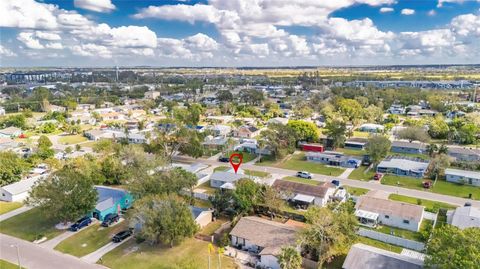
(408, 147)
(368, 257)
(396, 109)
(246, 131)
(278, 120)
(220, 130)
(356, 143)
(96, 135)
(464, 217)
(371, 211)
(463, 176)
(371, 128)
(225, 180)
(10, 132)
(464, 154)
(111, 200)
(152, 95)
(304, 194)
(202, 216)
(264, 237)
(135, 138)
(403, 166)
(333, 158)
(18, 191)
(7, 143)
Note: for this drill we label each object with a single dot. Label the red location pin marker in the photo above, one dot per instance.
(236, 165)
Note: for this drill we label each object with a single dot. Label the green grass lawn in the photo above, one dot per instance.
(202, 203)
(72, 139)
(256, 173)
(298, 163)
(432, 206)
(361, 134)
(30, 226)
(379, 244)
(351, 152)
(221, 168)
(89, 144)
(8, 265)
(191, 253)
(359, 174)
(302, 180)
(206, 186)
(441, 186)
(355, 191)
(89, 239)
(398, 232)
(9, 206)
(212, 227)
(246, 156)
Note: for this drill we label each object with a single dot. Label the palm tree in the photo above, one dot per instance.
(289, 258)
(431, 149)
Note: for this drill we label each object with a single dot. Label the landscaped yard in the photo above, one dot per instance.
(302, 180)
(441, 186)
(361, 134)
(297, 162)
(221, 168)
(89, 239)
(430, 205)
(359, 174)
(191, 253)
(379, 244)
(30, 225)
(8, 206)
(355, 191)
(407, 234)
(72, 139)
(202, 203)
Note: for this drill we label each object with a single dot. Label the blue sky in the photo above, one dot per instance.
(238, 32)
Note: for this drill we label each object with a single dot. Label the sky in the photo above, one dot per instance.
(230, 33)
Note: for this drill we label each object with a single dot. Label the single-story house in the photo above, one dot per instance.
(202, 216)
(215, 143)
(10, 132)
(246, 131)
(111, 200)
(131, 138)
(407, 147)
(19, 191)
(371, 128)
(356, 143)
(368, 257)
(305, 194)
(403, 166)
(463, 176)
(152, 95)
(96, 135)
(464, 154)
(464, 217)
(225, 179)
(264, 237)
(220, 130)
(333, 158)
(396, 109)
(371, 211)
(278, 120)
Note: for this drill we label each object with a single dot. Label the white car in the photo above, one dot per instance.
(304, 174)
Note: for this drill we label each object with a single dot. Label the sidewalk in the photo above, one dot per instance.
(97, 254)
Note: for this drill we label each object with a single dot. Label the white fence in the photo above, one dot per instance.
(390, 239)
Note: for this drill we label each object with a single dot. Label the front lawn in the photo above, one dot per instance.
(221, 168)
(8, 265)
(206, 186)
(246, 156)
(72, 139)
(302, 180)
(359, 174)
(355, 191)
(441, 186)
(431, 206)
(379, 244)
(191, 253)
(89, 239)
(298, 163)
(256, 173)
(30, 225)
(9, 206)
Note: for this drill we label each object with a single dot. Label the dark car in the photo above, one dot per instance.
(119, 237)
(110, 219)
(336, 182)
(224, 159)
(83, 222)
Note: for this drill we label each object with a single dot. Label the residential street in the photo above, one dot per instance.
(354, 183)
(33, 256)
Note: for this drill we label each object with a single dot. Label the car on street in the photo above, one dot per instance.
(336, 182)
(110, 219)
(83, 222)
(119, 237)
(224, 159)
(378, 176)
(304, 174)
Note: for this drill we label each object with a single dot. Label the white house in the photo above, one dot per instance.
(278, 120)
(305, 194)
(371, 128)
(464, 217)
(18, 191)
(264, 237)
(202, 216)
(225, 180)
(462, 176)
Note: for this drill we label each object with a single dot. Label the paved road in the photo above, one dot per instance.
(33, 256)
(354, 183)
(96, 255)
(14, 212)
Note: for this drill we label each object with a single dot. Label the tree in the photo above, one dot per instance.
(467, 134)
(271, 199)
(246, 195)
(289, 258)
(335, 130)
(48, 128)
(350, 109)
(252, 96)
(165, 219)
(64, 196)
(224, 96)
(44, 150)
(302, 111)
(438, 128)
(431, 149)
(377, 148)
(373, 113)
(221, 200)
(44, 142)
(438, 165)
(414, 133)
(451, 248)
(12, 167)
(279, 139)
(304, 130)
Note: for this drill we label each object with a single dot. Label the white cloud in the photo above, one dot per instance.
(386, 9)
(91, 50)
(95, 5)
(47, 36)
(54, 45)
(29, 40)
(201, 42)
(408, 11)
(6, 52)
(432, 13)
(27, 14)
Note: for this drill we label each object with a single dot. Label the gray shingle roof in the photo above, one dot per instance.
(367, 257)
(226, 176)
(388, 207)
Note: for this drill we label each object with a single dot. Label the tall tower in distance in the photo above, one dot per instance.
(116, 73)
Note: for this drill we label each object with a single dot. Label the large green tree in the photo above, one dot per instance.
(279, 139)
(304, 130)
(335, 129)
(246, 195)
(438, 128)
(289, 258)
(12, 168)
(377, 148)
(414, 133)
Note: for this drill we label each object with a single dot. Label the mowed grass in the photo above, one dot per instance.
(190, 254)
(30, 226)
(302, 180)
(441, 186)
(379, 244)
(89, 239)
(7, 265)
(431, 206)
(9, 206)
(356, 191)
(359, 174)
(246, 156)
(221, 169)
(72, 139)
(212, 227)
(298, 163)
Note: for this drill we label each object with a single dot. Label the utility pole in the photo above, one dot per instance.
(18, 255)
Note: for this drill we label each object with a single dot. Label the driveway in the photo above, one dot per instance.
(15, 212)
(52, 243)
(33, 256)
(96, 255)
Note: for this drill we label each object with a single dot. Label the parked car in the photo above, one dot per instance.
(119, 237)
(110, 219)
(336, 182)
(378, 176)
(83, 222)
(304, 174)
(427, 184)
(224, 159)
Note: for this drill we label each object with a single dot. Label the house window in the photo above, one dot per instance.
(406, 221)
(387, 216)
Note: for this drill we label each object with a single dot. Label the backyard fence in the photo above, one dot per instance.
(390, 239)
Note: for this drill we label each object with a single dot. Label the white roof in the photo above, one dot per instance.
(304, 198)
(228, 186)
(404, 164)
(21, 186)
(366, 214)
(466, 217)
(462, 173)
